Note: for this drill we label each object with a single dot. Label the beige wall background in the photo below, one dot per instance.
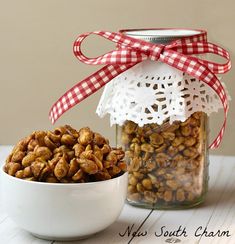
(37, 64)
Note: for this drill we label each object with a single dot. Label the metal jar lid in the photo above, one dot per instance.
(160, 36)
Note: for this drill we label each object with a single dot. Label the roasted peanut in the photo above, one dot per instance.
(61, 169)
(43, 152)
(28, 159)
(67, 139)
(88, 166)
(17, 156)
(85, 136)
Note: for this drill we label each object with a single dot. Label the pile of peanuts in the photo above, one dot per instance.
(165, 162)
(65, 155)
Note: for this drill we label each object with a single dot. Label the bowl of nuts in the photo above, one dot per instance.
(64, 184)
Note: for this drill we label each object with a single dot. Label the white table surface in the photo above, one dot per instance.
(217, 213)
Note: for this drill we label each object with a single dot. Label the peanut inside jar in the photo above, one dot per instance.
(65, 155)
(165, 162)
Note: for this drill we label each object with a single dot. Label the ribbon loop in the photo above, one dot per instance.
(131, 51)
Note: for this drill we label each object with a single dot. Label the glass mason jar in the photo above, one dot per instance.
(168, 163)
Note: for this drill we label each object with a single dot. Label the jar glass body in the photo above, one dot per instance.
(168, 163)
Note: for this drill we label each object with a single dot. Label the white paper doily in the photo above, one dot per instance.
(151, 92)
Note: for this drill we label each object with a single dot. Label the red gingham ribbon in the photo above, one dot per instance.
(131, 51)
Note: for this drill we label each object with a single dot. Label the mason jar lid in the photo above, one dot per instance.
(160, 36)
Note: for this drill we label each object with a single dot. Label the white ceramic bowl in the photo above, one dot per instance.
(63, 211)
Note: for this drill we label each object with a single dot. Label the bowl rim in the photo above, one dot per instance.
(2, 172)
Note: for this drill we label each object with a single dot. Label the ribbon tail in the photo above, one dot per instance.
(85, 88)
(196, 69)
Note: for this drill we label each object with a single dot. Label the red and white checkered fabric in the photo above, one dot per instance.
(131, 51)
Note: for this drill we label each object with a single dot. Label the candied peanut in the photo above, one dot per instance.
(135, 147)
(131, 189)
(180, 195)
(53, 137)
(172, 151)
(52, 163)
(168, 135)
(190, 141)
(150, 196)
(78, 175)
(105, 149)
(190, 152)
(43, 152)
(147, 147)
(98, 153)
(191, 196)
(71, 131)
(152, 178)
(172, 184)
(98, 162)
(37, 167)
(181, 147)
(8, 160)
(161, 148)
(173, 127)
(114, 170)
(126, 139)
(130, 127)
(140, 188)
(102, 175)
(195, 132)
(119, 153)
(197, 115)
(49, 143)
(99, 140)
(177, 141)
(78, 149)
(70, 155)
(19, 174)
(61, 149)
(133, 181)
(44, 173)
(186, 130)
(112, 158)
(147, 184)
(28, 159)
(87, 154)
(61, 169)
(135, 164)
(162, 159)
(88, 166)
(17, 156)
(85, 136)
(32, 144)
(122, 165)
(167, 196)
(73, 167)
(13, 168)
(39, 136)
(156, 139)
(60, 131)
(68, 140)
(28, 172)
(138, 175)
(150, 165)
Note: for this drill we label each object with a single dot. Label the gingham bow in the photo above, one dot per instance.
(131, 51)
